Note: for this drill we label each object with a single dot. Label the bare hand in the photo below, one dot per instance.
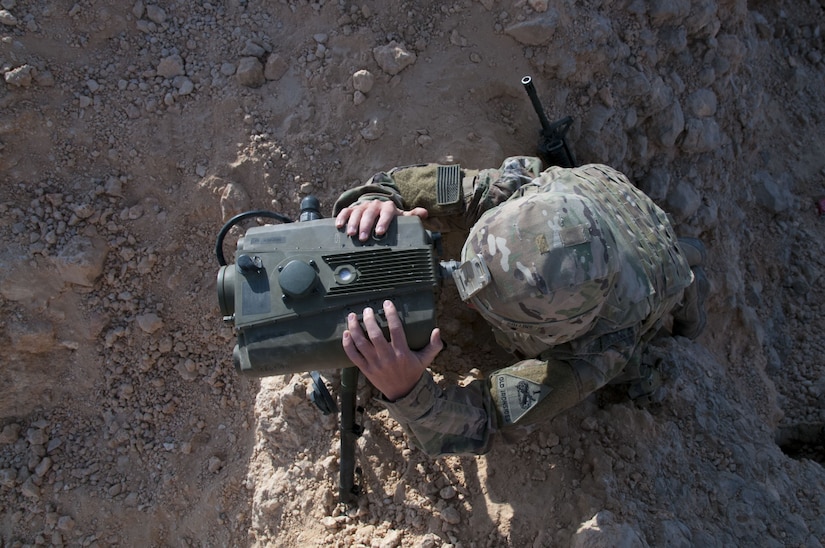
(362, 218)
(390, 366)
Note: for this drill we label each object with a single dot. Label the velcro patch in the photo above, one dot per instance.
(448, 185)
(574, 235)
(542, 244)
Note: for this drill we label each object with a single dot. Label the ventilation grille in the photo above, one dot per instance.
(383, 269)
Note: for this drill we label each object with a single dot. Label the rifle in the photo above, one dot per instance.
(552, 147)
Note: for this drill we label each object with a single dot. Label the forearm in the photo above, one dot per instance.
(465, 419)
(536, 390)
(439, 421)
(454, 201)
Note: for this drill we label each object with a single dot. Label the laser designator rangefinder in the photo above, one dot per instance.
(292, 286)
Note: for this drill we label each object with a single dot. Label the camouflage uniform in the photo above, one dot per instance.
(585, 267)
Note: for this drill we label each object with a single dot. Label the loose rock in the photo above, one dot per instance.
(250, 72)
(393, 58)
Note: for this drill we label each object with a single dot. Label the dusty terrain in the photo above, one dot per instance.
(130, 132)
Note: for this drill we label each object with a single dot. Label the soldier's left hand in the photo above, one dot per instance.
(391, 366)
(363, 218)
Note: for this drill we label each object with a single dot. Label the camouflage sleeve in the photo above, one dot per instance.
(537, 390)
(495, 186)
(381, 186)
(466, 419)
(415, 186)
(445, 421)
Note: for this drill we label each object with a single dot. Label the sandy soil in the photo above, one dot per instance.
(130, 132)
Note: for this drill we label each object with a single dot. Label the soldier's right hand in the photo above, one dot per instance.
(363, 218)
(390, 365)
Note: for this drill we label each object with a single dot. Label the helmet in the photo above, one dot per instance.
(541, 265)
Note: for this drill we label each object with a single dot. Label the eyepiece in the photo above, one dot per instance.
(226, 290)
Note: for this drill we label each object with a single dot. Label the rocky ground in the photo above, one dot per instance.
(130, 133)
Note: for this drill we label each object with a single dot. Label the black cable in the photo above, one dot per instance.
(237, 219)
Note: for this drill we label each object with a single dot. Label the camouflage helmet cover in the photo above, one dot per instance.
(551, 262)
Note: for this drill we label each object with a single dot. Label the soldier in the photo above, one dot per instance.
(575, 269)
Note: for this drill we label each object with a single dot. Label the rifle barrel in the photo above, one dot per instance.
(527, 82)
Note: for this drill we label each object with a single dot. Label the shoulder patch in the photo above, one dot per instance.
(448, 185)
(517, 396)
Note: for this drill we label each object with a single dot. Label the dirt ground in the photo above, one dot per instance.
(130, 132)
